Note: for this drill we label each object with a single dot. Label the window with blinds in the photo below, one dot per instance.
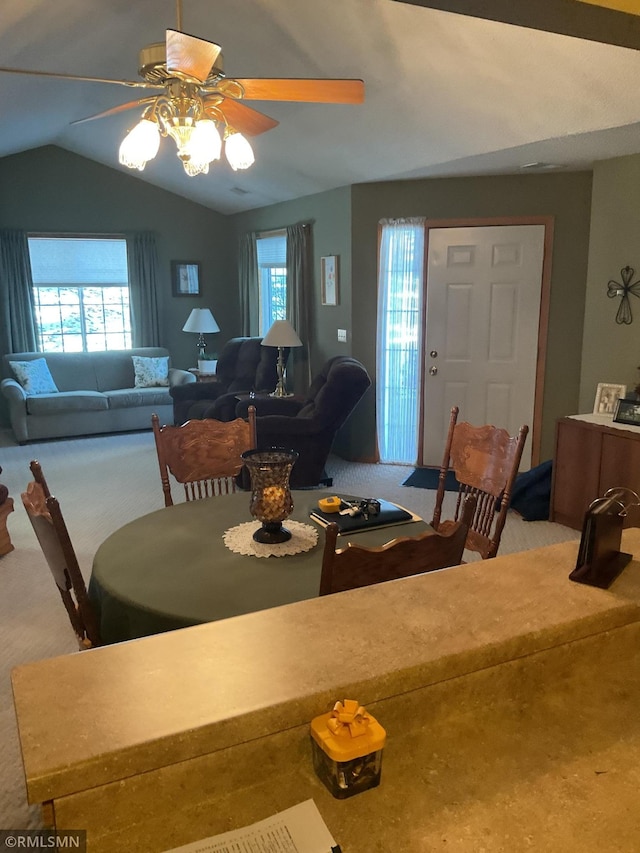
(272, 279)
(81, 293)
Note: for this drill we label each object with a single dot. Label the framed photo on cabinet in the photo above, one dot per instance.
(627, 412)
(329, 279)
(607, 396)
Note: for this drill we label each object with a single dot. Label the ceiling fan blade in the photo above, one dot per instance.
(131, 83)
(190, 55)
(115, 110)
(313, 91)
(242, 118)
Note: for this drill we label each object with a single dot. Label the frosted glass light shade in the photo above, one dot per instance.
(238, 151)
(140, 145)
(201, 320)
(281, 334)
(193, 168)
(205, 143)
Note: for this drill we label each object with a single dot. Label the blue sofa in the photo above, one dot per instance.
(96, 394)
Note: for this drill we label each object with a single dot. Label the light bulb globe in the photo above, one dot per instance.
(238, 151)
(140, 145)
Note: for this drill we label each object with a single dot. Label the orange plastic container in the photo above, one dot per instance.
(347, 746)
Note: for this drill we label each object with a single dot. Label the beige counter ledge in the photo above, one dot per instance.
(170, 738)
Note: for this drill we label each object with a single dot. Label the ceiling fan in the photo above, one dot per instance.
(198, 106)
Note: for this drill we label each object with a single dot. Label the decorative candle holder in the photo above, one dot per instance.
(271, 500)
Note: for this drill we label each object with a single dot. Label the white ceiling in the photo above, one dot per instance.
(445, 94)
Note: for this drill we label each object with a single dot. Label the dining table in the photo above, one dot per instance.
(171, 568)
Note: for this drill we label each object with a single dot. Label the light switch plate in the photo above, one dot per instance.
(342, 336)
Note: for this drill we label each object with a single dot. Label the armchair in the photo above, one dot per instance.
(310, 426)
(244, 366)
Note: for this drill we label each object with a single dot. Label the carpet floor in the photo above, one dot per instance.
(102, 483)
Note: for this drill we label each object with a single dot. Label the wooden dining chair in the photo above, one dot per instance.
(203, 455)
(355, 565)
(51, 531)
(485, 461)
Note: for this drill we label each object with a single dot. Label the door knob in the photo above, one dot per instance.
(433, 370)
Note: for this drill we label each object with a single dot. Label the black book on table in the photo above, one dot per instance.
(390, 514)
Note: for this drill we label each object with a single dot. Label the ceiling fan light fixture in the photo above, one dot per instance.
(193, 167)
(237, 149)
(140, 145)
(205, 144)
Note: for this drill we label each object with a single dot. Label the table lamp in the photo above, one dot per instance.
(201, 321)
(281, 335)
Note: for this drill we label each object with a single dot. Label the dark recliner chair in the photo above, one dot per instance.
(310, 426)
(244, 366)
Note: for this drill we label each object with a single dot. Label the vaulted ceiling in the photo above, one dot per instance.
(446, 93)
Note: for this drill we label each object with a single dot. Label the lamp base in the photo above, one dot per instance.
(279, 392)
(272, 533)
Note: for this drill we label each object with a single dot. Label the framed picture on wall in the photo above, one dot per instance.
(329, 279)
(185, 278)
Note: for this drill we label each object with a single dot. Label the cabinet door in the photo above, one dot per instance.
(576, 471)
(620, 464)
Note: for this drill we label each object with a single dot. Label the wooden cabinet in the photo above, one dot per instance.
(591, 455)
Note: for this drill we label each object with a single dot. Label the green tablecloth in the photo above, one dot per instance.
(171, 569)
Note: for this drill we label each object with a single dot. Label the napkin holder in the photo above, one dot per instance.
(600, 560)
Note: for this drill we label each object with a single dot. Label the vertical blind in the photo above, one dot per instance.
(400, 284)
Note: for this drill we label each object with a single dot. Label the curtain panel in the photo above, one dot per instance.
(142, 260)
(17, 306)
(248, 285)
(299, 285)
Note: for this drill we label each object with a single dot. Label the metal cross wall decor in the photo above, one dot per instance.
(615, 288)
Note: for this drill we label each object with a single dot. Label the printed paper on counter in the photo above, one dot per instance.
(299, 829)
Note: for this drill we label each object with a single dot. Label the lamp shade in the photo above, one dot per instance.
(281, 334)
(201, 320)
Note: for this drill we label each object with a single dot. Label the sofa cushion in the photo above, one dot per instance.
(151, 372)
(126, 398)
(34, 376)
(67, 401)
(72, 371)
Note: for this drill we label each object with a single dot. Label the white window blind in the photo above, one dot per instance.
(68, 260)
(400, 285)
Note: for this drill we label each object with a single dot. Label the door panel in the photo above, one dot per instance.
(482, 315)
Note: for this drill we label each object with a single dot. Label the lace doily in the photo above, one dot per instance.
(239, 539)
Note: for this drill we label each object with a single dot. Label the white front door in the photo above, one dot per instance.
(481, 337)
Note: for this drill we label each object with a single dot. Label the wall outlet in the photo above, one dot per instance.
(342, 336)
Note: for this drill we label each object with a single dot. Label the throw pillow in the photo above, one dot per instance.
(34, 376)
(151, 372)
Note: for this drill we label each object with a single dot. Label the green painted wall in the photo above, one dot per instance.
(566, 197)
(611, 352)
(52, 190)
